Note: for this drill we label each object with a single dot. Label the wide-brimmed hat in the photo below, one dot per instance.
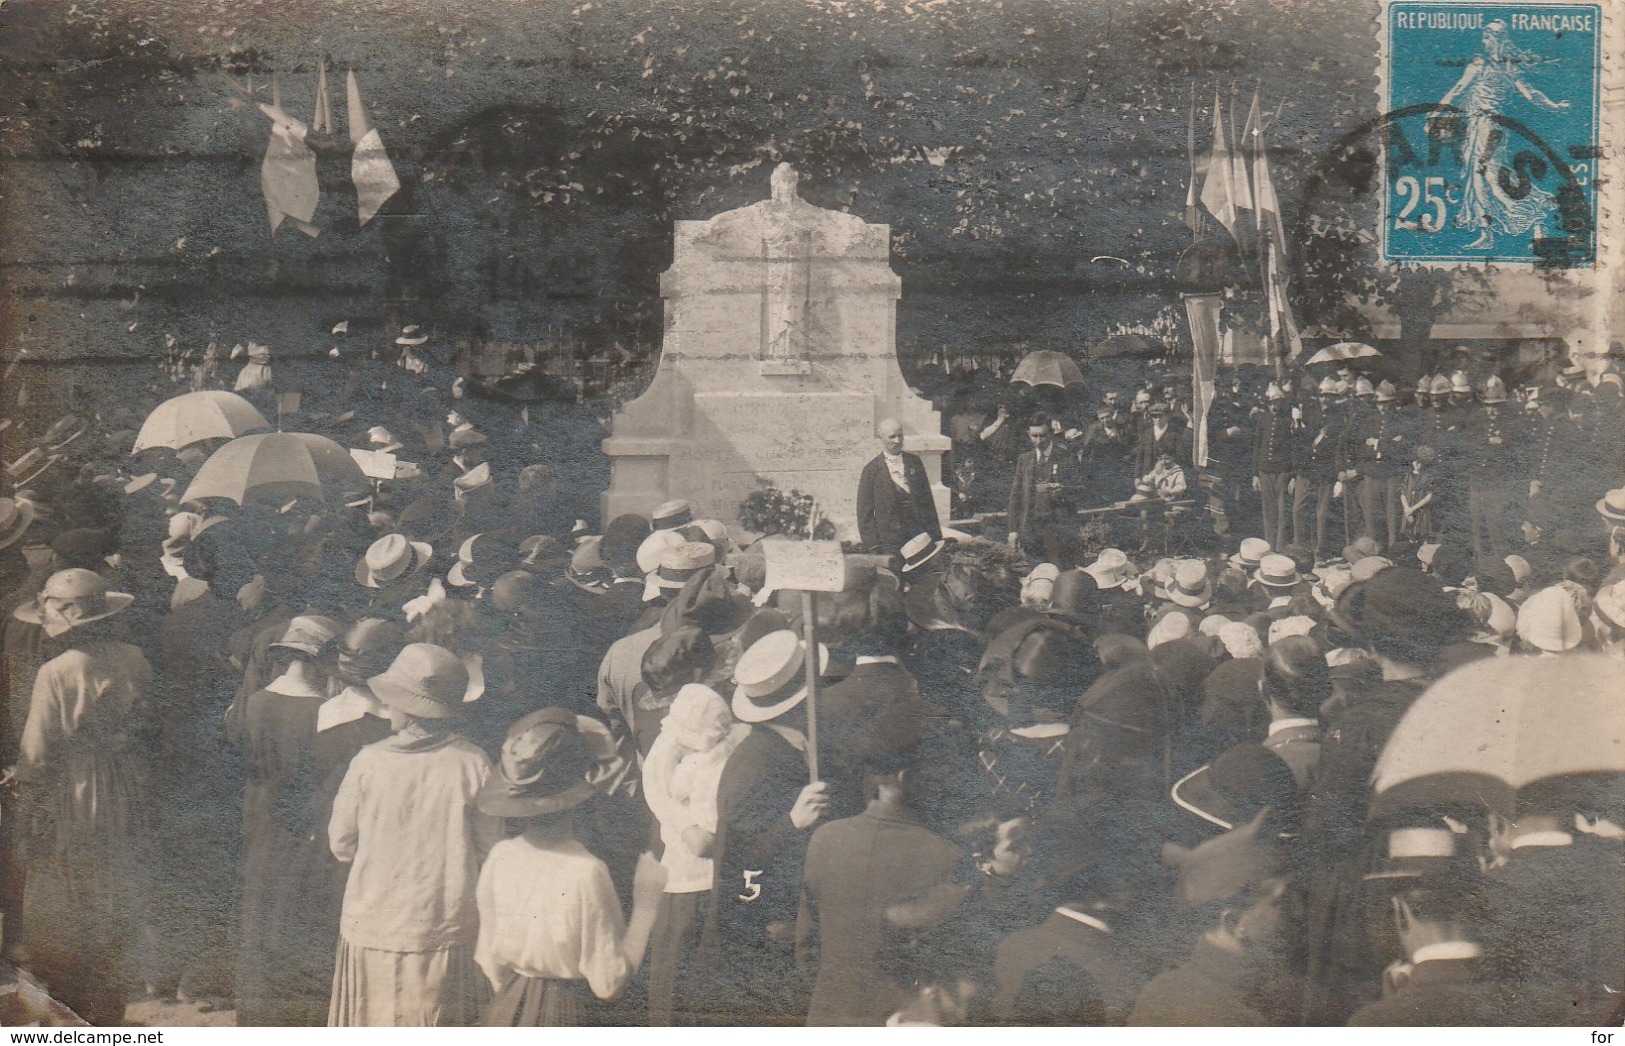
(671, 514)
(677, 564)
(622, 542)
(712, 530)
(1241, 781)
(552, 760)
(543, 550)
(426, 681)
(1549, 622)
(309, 634)
(383, 439)
(1401, 609)
(1251, 553)
(1610, 604)
(483, 558)
(770, 677)
(72, 598)
(1611, 506)
(464, 436)
(1367, 567)
(391, 558)
(587, 570)
(919, 550)
(474, 479)
(1278, 571)
(411, 335)
(708, 601)
(654, 548)
(16, 516)
(1110, 568)
(1191, 586)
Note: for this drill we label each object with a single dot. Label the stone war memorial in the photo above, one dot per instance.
(779, 359)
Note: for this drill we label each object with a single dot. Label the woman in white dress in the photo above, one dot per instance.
(406, 820)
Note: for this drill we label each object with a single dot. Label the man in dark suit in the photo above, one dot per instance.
(1041, 496)
(765, 813)
(894, 496)
(1446, 978)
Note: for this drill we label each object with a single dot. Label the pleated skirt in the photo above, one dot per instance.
(537, 1002)
(379, 989)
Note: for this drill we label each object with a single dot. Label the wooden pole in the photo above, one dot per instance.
(809, 617)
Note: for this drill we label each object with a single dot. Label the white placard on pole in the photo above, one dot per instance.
(375, 464)
(810, 566)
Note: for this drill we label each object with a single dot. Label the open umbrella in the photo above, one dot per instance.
(277, 466)
(197, 416)
(1492, 729)
(1047, 367)
(1127, 345)
(1343, 350)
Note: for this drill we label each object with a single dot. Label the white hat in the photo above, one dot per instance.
(391, 558)
(1110, 568)
(766, 675)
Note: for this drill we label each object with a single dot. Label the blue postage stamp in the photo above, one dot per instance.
(1490, 132)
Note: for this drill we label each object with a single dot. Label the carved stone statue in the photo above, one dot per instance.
(784, 183)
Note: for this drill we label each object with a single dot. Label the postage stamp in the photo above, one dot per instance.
(1491, 137)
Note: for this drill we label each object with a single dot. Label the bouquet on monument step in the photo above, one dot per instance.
(788, 512)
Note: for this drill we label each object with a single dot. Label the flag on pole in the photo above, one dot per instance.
(288, 172)
(322, 120)
(1218, 192)
(370, 169)
(1284, 332)
(1238, 158)
(1202, 311)
(1193, 212)
(1267, 208)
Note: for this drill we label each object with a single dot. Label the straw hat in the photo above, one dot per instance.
(920, 550)
(654, 547)
(552, 760)
(309, 634)
(1612, 506)
(411, 335)
(16, 516)
(1251, 553)
(426, 681)
(1278, 571)
(677, 564)
(671, 514)
(391, 558)
(1110, 568)
(72, 598)
(770, 677)
(1191, 586)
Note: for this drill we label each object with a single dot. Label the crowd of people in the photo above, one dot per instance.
(444, 753)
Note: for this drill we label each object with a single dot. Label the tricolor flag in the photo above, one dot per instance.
(288, 172)
(370, 169)
(1218, 191)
